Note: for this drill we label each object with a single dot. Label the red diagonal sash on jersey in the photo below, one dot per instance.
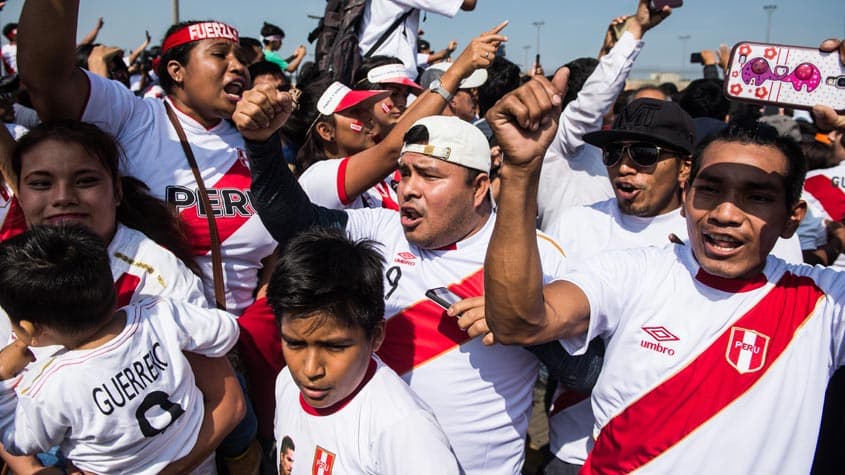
(831, 197)
(423, 331)
(238, 178)
(124, 287)
(707, 385)
(14, 223)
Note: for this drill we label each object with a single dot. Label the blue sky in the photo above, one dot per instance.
(572, 28)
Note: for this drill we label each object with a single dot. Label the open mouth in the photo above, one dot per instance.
(721, 244)
(409, 217)
(626, 190)
(234, 88)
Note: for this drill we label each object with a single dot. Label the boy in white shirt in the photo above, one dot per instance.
(120, 398)
(342, 407)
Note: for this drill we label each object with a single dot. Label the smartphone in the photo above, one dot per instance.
(442, 296)
(695, 58)
(657, 5)
(785, 76)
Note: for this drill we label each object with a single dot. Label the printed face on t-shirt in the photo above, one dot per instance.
(735, 208)
(327, 359)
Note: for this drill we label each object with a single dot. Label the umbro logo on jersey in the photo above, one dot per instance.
(406, 258)
(323, 462)
(660, 335)
(225, 202)
(746, 350)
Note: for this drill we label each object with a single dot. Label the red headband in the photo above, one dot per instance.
(200, 31)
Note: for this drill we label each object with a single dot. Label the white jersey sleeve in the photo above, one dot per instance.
(115, 109)
(322, 183)
(25, 428)
(425, 448)
(207, 331)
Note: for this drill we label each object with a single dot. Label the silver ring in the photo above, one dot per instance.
(486, 54)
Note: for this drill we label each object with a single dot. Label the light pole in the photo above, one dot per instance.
(684, 39)
(175, 11)
(538, 24)
(527, 65)
(769, 9)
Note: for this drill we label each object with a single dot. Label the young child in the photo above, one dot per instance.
(345, 411)
(120, 396)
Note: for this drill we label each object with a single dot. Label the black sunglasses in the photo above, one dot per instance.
(643, 154)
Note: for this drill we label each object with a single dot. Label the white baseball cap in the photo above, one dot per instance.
(392, 74)
(453, 140)
(338, 97)
(476, 79)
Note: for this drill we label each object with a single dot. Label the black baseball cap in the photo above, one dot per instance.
(660, 122)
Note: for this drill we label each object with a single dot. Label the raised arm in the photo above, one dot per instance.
(518, 309)
(91, 37)
(444, 53)
(369, 167)
(280, 202)
(140, 49)
(298, 56)
(46, 45)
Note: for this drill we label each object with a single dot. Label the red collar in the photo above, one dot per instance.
(730, 285)
(327, 411)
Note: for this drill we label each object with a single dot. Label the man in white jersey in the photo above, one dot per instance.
(340, 405)
(702, 338)
(128, 396)
(379, 15)
(480, 394)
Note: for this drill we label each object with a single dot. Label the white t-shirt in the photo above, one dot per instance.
(481, 395)
(142, 268)
(108, 407)
(824, 192)
(154, 155)
(325, 184)
(585, 231)
(573, 173)
(402, 42)
(10, 58)
(382, 428)
(16, 130)
(698, 372)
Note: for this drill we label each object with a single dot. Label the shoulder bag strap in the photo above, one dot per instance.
(216, 258)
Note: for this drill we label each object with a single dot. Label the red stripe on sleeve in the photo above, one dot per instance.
(706, 386)
(341, 181)
(831, 197)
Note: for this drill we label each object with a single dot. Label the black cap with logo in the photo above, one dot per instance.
(654, 121)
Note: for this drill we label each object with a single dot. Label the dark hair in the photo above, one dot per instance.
(83, 51)
(311, 145)
(7, 29)
(138, 209)
(502, 78)
(670, 89)
(704, 98)
(360, 81)
(324, 271)
(266, 67)
(269, 29)
(579, 70)
(422, 45)
(647, 87)
(180, 54)
(57, 276)
(758, 133)
(287, 444)
(247, 46)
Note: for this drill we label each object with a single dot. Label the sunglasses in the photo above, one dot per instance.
(643, 154)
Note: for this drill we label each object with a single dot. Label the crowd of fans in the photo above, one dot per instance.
(217, 259)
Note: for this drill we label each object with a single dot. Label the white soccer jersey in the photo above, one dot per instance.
(154, 155)
(705, 373)
(381, 428)
(325, 184)
(10, 58)
(824, 192)
(128, 406)
(142, 268)
(12, 221)
(481, 395)
(585, 231)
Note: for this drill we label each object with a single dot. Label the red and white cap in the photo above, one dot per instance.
(392, 74)
(454, 140)
(339, 97)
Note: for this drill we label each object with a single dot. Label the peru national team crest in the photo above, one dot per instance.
(323, 462)
(746, 350)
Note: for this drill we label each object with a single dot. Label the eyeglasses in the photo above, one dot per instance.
(643, 154)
